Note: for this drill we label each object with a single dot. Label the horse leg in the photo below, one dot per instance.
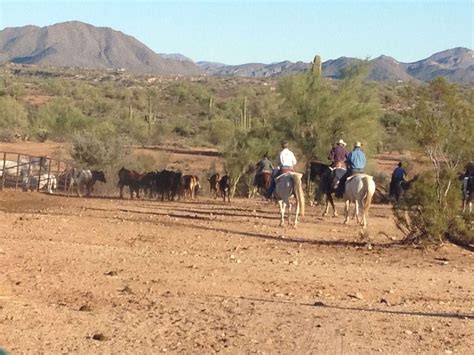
(331, 201)
(363, 220)
(289, 213)
(326, 207)
(281, 204)
(356, 211)
(346, 211)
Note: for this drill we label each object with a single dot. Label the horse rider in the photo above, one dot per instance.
(469, 174)
(338, 155)
(356, 162)
(286, 162)
(398, 176)
(263, 166)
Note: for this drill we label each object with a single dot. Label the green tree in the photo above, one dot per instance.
(318, 112)
(244, 150)
(442, 127)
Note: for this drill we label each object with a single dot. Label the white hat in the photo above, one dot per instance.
(341, 141)
(357, 144)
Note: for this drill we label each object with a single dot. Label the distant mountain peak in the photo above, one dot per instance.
(79, 44)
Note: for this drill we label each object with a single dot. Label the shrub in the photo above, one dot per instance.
(12, 114)
(422, 219)
(62, 118)
(443, 128)
(102, 149)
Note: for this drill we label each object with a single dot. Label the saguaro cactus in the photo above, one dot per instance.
(150, 118)
(316, 68)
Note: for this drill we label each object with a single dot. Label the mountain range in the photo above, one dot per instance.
(77, 44)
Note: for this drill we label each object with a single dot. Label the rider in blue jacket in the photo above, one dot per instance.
(356, 161)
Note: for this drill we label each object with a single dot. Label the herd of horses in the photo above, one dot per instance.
(169, 185)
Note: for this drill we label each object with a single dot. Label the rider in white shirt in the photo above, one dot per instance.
(287, 158)
(286, 162)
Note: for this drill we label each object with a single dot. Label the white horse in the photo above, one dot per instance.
(46, 182)
(289, 184)
(359, 189)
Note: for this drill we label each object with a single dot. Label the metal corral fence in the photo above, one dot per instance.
(18, 170)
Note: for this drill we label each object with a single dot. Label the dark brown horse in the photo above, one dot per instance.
(468, 195)
(398, 188)
(224, 187)
(262, 183)
(132, 179)
(214, 185)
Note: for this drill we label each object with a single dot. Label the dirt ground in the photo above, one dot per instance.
(109, 276)
(103, 275)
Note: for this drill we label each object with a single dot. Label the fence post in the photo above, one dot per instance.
(3, 170)
(29, 171)
(17, 171)
(48, 181)
(39, 176)
(57, 174)
(65, 178)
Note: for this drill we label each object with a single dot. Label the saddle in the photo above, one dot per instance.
(352, 176)
(285, 170)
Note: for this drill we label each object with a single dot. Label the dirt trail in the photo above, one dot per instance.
(103, 275)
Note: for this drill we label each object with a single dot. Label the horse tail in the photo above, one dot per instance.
(369, 186)
(298, 186)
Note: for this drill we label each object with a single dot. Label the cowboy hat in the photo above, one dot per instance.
(357, 144)
(341, 141)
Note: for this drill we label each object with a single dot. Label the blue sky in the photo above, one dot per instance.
(236, 32)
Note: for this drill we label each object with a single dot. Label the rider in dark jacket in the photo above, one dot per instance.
(398, 176)
(263, 166)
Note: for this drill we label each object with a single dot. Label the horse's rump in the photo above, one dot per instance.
(263, 180)
(289, 184)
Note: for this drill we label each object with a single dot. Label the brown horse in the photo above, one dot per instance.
(214, 185)
(189, 186)
(261, 183)
(132, 179)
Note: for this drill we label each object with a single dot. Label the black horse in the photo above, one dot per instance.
(398, 188)
(328, 181)
(468, 195)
